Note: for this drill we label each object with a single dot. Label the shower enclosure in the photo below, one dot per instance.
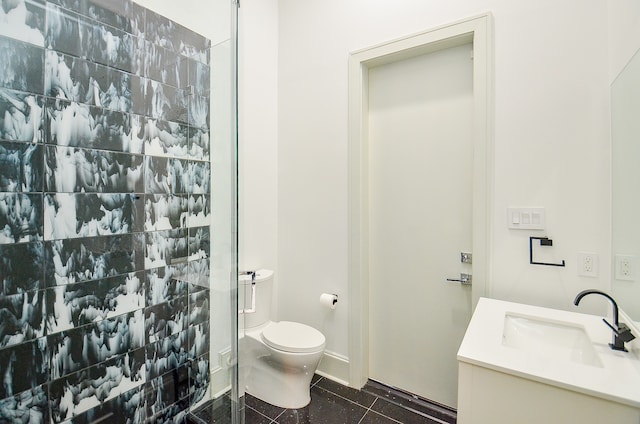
(118, 257)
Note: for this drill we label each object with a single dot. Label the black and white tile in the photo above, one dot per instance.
(22, 317)
(74, 305)
(167, 390)
(167, 354)
(199, 307)
(110, 88)
(200, 273)
(70, 215)
(80, 125)
(199, 143)
(199, 339)
(199, 210)
(165, 66)
(21, 268)
(72, 78)
(115, 13)
(166, 247)
(79, 392)
(108, 46)
(128, 407)
(76, 170)
(173, 36)
(23, 20)
(64, 31)
(200, 177)
(163, 138)
(20, 167)
(139, 58)
(21, 116)
(80, 36)
(166, 319)
(159, 30)
(82, 347)
(175, 414)
(166, 175)
(157, 100)
(28, 407)
(199, 377)
(199, 78)
(199, 243)
(24, 366)
(138, 16)
(21, 217)
(22, 66)
(136, 142)
(199, 111)
(75, 260)
(66, 77)
(105, 210)
(165, 211)
(166, 283)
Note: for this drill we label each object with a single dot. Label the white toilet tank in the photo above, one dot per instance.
(263, 289)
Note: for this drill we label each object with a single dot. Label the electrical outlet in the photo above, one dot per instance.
(588, 264)
(625, 267)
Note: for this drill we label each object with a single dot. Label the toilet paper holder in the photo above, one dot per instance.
(329, 300)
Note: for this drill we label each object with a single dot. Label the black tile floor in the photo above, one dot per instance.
(333, 403)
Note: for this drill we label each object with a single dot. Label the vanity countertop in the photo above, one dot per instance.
(618, 379)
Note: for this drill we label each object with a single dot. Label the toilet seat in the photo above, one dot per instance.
(293, 337)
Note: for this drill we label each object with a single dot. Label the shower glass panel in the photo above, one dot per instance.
(118, 223)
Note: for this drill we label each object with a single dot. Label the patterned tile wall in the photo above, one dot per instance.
(104, 213)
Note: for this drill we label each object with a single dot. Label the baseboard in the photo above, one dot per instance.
(334, 367)
(219, 374)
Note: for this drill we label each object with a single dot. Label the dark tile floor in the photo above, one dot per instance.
(332, 403)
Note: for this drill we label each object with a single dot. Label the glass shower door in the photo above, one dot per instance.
(224, 403)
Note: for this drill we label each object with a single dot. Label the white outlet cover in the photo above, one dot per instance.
(588, 264)
(625, 267)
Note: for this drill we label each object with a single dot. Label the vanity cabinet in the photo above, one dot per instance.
(487, 396)
(524, 364)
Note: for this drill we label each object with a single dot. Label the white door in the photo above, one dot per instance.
(420, 190)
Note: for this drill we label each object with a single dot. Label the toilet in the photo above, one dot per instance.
(277, 359)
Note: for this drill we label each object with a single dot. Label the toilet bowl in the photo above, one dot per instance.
(277, 359)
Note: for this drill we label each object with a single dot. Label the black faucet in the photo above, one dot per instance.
(621, 333)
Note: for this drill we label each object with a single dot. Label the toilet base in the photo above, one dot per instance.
(279, 378)
(284, 391)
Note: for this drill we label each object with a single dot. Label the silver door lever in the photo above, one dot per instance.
(465, 279)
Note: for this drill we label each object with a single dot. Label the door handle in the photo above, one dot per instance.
(465, 279)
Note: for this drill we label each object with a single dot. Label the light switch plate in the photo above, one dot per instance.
(525, 218)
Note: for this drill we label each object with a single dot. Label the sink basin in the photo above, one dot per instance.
(553, 340)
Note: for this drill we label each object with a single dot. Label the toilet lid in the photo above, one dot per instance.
(293, 337)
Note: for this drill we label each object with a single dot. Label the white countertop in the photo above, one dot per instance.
(617, 380)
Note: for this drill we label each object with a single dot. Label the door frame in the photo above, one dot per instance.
(477, 30)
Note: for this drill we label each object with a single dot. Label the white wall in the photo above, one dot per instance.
(551, 143)
(624, 33)
(258, 134)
